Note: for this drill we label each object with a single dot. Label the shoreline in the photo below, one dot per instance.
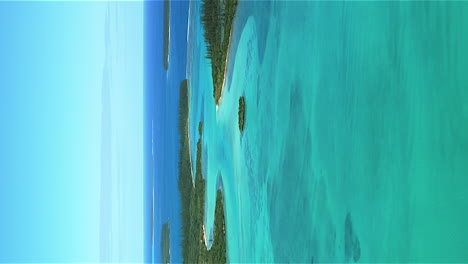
(218, 21)
(166, 242)
(190, 154)
(225, 70)
(204, 235)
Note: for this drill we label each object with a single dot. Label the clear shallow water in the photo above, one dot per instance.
(354, 111)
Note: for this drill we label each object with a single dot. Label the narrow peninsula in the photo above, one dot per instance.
(192, 195)
(217, 17)
(166, 243)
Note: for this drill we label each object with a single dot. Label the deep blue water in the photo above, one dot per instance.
(161, 138)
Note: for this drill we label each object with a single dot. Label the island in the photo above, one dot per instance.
(241, 113)
(192, 196)
(217, 18)
(166, 243)
(166, 33)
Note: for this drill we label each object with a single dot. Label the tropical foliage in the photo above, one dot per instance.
(192, 193)
(241, 113)
(217, 18)
(166, 243)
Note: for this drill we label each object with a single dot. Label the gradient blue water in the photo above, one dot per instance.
(356, 129)
(161, 124)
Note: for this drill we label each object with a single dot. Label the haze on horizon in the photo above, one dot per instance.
(73, 94)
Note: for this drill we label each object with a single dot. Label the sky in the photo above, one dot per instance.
(71, 133)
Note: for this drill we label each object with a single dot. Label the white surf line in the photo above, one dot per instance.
(204, 236)
(190, 41)
(188, 20)
(169, 39)
(190, 152)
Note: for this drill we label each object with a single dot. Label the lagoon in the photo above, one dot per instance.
(355, 143)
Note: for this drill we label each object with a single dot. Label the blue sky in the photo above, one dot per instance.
(71, 113)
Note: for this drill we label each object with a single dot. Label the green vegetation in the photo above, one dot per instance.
(217, 18)
(241, 113)
(166, 32)
(192, 193)
(166, 243)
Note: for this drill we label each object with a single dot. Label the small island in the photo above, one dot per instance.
(241, 113)
(217, 18)
(166, 33)
(166, 243)
(192, 195)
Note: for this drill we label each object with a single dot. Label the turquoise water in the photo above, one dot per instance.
(356, 139)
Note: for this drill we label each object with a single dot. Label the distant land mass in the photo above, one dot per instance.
(217, 18)
(166, 243)
(166, 33)
(192, 195)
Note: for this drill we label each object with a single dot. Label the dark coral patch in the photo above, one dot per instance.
(352, 247)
